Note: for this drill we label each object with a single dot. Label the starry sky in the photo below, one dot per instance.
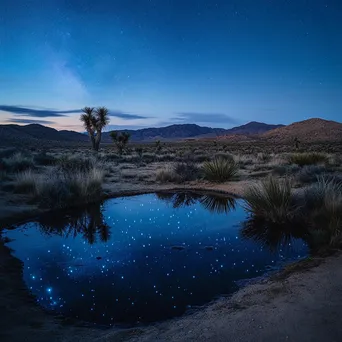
(158, 62)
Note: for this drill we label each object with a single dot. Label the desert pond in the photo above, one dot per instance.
(146, 258)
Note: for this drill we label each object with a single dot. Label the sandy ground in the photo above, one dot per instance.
(304, 305)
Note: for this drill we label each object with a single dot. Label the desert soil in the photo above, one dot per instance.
(301, 305)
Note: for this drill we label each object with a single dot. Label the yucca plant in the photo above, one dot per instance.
(272, 200)
(220, 169)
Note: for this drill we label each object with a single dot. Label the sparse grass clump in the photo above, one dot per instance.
(220, 169)
(323, 204)
(62, 189)
(308, 173)
(309, 158)
(7, 152)
(167, 175)
(26, 182)
(17, 162)
(272, 200)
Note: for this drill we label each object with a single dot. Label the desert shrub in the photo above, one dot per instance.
(44, 159)
(165, 157)
(8, 152)
(308, 158)
(220, 169)
(272, 200)
(25, 182)
(149, 157)
(221, 155)
(111, 157)
(68, 164)
(309, 173)
(167, 175)
(282, 170)
(186, 171)
(139, 151)
(264, 157)
(17, 162)
(62, 188)
(200, 158)
(323, 206)
(244, 160)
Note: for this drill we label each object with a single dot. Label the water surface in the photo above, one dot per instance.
(146, 258)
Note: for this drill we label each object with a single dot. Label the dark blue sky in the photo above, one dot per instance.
(156, 62)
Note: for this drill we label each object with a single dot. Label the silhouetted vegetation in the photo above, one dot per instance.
(220, 169)
(88, 222)
(120, 139)
(94, 120)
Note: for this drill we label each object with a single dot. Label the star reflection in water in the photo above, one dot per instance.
(145, 258)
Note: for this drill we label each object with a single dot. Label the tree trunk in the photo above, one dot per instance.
(92, 139)
(98, 140)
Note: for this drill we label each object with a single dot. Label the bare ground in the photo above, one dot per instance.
(302, 306)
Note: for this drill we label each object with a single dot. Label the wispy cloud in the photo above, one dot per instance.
(30, 121)
(203, 117)
(127, 116)
(39, 113)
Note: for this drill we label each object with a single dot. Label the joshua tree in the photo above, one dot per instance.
(158, 146)
(120, 140)
(94, 120)
(140, 152)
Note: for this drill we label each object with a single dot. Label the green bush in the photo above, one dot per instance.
(220, 169)
(309, 158)
(272, 200)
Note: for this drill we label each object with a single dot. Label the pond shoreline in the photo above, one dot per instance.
(24, 317)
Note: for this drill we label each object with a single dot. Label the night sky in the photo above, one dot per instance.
(158, 62)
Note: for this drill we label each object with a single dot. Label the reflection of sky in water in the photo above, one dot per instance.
(132, 273)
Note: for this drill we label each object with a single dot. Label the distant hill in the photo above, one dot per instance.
(252, 128)
(186, 131)
(173, 132)
(312, 130)
(34, 133)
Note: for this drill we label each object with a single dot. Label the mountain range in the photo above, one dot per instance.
(312, 130)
